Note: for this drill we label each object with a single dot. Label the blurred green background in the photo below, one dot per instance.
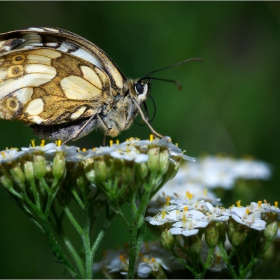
(229, 103)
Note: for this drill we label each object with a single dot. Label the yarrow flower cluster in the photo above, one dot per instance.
(197, 234)
(153, 260)
(99, 179)
(187, 217)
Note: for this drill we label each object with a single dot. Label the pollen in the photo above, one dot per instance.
(58, 143)
(163, 214)
(122, 258)
(167, 201)
(186, 208)
(111, 143)
(247, 211)
(276, 204)
(33, 143)
(117, 141)
(238, 203)
(205, 192)
(176, 144)
(189, 195)
(42, 143)
(259, 203)
(84, 149)
(3, 154)
(152, 137)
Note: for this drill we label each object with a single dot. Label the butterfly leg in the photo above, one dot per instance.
(144, 119)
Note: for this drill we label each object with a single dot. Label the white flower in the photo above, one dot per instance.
(160, 219)
(250, 169)
(41, 148)
(163, 142)
(217, 213)
(114, 261)
(243, 216)
(188, 227)
(10, 155)
(130, 153)
(70, 152)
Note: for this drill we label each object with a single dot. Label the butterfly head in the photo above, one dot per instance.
(142, 90)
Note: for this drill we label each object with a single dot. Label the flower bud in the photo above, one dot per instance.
(167, 240)
(128, 172)
(271, 228)
(5, 179)
(28, 168)
(239, 235)
(163, 162)
(58, 167)
(172, 170)
(211, 235)
(153, 161)
(222, 229)
(100, 170)
(89, 169)
(141, 170)
(39, 166)
(17, 173)
(49, 175)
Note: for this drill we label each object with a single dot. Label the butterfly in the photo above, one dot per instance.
(63, 86)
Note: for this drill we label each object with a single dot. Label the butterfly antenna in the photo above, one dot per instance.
(170, 66)
(179, 86)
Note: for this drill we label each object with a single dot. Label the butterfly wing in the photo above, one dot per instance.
(47, 87)
(63, 41)
(50, 76)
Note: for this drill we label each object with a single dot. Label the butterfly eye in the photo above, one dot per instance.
(141, 88)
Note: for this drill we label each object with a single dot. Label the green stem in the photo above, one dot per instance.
(101, 234)
(253, 261)
(57, 250)
(35, 193)
(132, 200)
(73, 221)
(207, 263)
(137, 230)
(86, 241)
(227, 260)
(77, 198)
(51, 195)
(59, 230)
(76, 257)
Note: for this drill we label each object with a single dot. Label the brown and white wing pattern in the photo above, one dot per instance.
(48, 87)
(63, 86)
(50, 76)
(63, 41)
